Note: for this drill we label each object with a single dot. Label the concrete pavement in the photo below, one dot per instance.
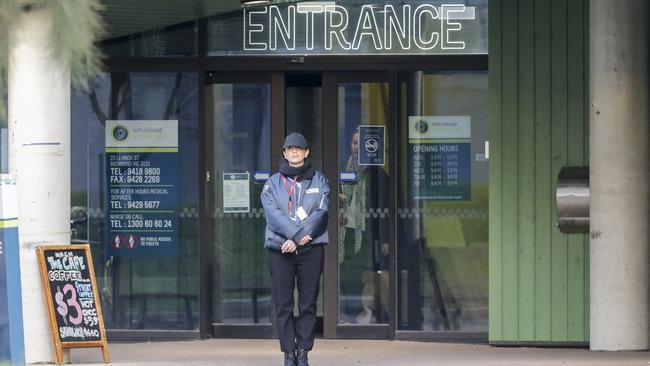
(242, 352)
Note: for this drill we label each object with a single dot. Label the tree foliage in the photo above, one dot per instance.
(77, 25)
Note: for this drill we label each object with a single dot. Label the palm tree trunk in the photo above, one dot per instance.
(39, 158)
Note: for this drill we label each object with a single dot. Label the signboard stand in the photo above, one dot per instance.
(73, 305)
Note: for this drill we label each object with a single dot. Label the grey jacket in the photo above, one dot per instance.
(313, 197)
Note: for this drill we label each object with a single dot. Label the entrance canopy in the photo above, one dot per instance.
(124, 17)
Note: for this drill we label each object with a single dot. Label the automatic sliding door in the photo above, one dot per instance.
(442, 258)
(363, 221)
(363, 242)
(240, 117)
(304, 114)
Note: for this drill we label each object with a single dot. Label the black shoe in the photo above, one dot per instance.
(289, 359)
(302, 357)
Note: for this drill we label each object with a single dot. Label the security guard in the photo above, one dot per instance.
(296, 203)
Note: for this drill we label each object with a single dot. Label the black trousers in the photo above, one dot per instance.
(287, 270)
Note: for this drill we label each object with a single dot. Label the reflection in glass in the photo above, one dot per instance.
(363, 243)
(138, 292)
(241, 123)
(442, 256)
(303, 113)
(178, 40)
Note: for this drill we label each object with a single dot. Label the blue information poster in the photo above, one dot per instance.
(12, 347)
(372, 147)
(439, 157)
(142, 188)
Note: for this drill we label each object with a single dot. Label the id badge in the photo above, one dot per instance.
(300, 212)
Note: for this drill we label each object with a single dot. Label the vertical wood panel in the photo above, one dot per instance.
(558, 160)
(538, 276)
(576, 122)
(585, 111)
(543, 181)
(526, 171)
(509, 107)
(495, 207)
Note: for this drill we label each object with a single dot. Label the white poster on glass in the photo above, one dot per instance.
(236, 193)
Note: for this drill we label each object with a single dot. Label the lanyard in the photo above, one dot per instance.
(290, 190)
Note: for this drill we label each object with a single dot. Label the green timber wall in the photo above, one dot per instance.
(539, 277)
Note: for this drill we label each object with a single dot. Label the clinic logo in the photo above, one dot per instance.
(421, 126)
(120, 133)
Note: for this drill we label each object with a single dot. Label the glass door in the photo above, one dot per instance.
(346, 118)
(359, 113)
(303, 106)
(442, 213)
(249, 115)
(404, 156)
(239, 114)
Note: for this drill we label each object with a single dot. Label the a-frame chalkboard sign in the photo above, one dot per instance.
(71, 297)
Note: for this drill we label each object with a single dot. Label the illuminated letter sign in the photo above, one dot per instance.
(448, 13)
(354, 27)
(310, 10)
(252, 26)
(333, 29)
(420, 16)
(367, 26)
(393, 27)
(286, 30)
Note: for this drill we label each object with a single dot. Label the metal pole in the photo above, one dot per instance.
(39, 158)
(619, 134)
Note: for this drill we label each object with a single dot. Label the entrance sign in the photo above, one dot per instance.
(142, 188)
(355, 27)
(72, 299)
(372, 145)
(236, 192)
(439, 158)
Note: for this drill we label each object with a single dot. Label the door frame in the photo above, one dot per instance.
(330, 81)
(331, 326)
(276, 83)
(334, 69)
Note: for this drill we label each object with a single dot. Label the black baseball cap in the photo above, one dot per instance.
(295, 139)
